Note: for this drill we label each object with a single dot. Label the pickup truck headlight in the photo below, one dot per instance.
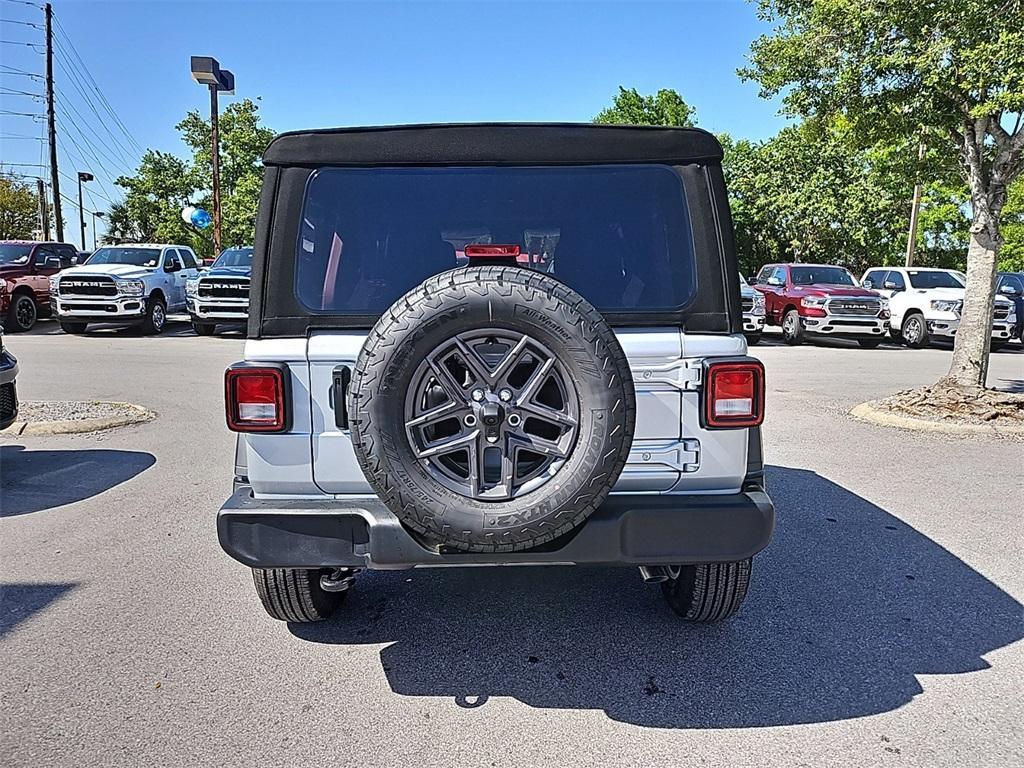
(947, 305)
(192, 286)
(53, 285)
(130, 287)
(758, 303)
(814, 301)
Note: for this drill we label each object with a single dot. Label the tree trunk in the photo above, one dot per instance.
(969, 367)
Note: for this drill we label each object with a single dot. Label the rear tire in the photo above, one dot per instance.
(792, 328)
(203, 329)
(156, 316)
(708, 592)
(73, 328)
(914, 331)
(869, 343)
(295, 594)
(753, 339)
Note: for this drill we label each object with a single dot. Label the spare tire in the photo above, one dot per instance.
(491, 409)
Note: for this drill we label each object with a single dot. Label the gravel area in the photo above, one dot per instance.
(77, 410)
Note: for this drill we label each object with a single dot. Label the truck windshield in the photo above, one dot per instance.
(139, 257)
(820, 276)
(933, 280)
(619, 235)
(234, 257)
(11, 253)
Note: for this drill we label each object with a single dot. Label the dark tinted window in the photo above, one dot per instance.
(187, 258)
(820, 276)
(43, 252)
(933, 280)
(1013, 281)
(14, 253)
(896, 280)
(234, 257)
(619, 235)
(876, 277)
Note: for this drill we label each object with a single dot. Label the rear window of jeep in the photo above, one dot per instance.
(619, 235)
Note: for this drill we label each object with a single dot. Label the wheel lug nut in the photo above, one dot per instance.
(478, 395)
(505, 395)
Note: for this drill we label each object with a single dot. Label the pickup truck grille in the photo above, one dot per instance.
(87, 286)
(1002, 312)
(867, 307)
(747, 303)
(224, 288)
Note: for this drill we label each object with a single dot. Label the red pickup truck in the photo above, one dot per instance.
(25, 270)
(819, 300)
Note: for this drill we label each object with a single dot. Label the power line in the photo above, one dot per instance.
(103, 99)
(72, 123)
(41, 48)
(13, 136)
(20, 114)
(23, 23)
(79, 85)
(24, 2)
(14, 92)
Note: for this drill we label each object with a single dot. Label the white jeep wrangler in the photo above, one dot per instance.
(925, 303)
(495, 345)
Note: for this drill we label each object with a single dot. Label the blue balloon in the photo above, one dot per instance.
(201, 218)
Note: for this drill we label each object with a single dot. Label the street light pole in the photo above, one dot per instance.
(82, 176)
(206, 71)
(216, 169)
(95, 215)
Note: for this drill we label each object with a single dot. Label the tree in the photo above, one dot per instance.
(950, 72)
(19, 209)
(154, 197)
(666, 107)
(243, 140)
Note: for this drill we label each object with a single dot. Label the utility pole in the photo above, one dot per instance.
(915, 209)
(44, 215)
(216, 170)
(51, 122)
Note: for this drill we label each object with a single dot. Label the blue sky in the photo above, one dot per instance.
(318, 64)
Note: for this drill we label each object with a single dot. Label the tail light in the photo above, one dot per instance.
(255, 398)
(733, 394)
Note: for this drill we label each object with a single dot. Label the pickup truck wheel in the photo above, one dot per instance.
(156, 316)
(493, 409)
(708, 592)
(753, 339)
(869, 343)
(894, 333)
(295, 594)
(203, 329)
(22, 314)
(74, 328)
(792, 328)
(914, 331)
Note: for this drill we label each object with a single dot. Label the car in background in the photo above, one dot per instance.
(25, 270)
(1010, 285)
(8, 385)
(925, 304)
(821, 300)
(752, 303)
(220, 294)
(124, 284)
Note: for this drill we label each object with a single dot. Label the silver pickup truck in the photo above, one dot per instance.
(496, 345)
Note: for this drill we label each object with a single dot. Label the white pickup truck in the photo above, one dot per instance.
(925, 303)
(124, 284)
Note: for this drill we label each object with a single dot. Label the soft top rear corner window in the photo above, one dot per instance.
(619, 235)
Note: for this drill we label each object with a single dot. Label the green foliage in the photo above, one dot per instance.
(164, 184)
(666, 107)
(1011, 255)
(19, 209)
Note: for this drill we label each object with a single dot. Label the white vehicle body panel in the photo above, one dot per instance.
(671, 451)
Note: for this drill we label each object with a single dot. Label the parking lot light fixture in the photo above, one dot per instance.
(82, 176)
(206, 71)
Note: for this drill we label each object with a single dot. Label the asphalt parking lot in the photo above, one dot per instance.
(883, 626)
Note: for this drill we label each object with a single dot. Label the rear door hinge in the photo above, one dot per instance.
(684, 374)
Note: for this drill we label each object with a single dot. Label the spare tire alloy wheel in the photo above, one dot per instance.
(493, 409)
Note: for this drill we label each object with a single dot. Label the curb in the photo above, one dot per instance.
(140, 415)
(867, 412)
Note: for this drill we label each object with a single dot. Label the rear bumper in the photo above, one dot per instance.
(627, 530)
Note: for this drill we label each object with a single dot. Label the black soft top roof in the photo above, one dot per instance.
(492, 144)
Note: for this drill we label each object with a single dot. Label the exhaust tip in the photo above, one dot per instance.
(653, 574)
